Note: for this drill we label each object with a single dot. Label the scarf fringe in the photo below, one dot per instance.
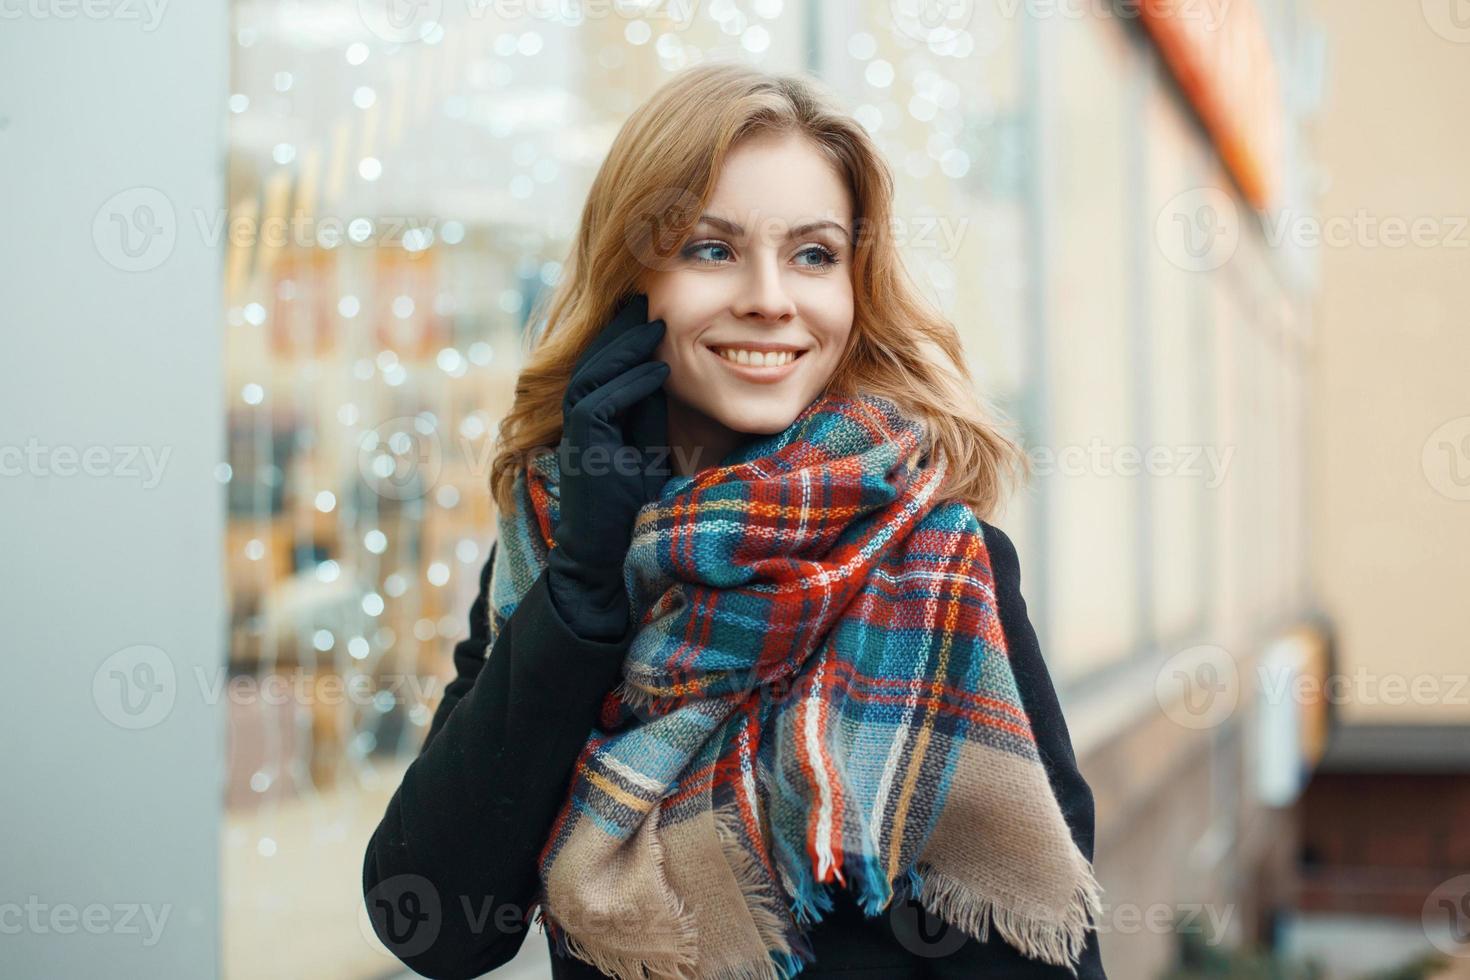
(627, 966)
(681, 964)
(634, 697)
(771, 922)
(746, 971)
(1059, 943)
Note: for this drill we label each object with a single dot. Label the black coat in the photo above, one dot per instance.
(450, 872)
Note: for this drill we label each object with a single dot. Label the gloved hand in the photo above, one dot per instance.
(613, 458)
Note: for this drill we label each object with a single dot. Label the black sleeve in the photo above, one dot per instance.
(450, 871)
(995, 958)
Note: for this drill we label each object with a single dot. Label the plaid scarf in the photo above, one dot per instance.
(817, 695)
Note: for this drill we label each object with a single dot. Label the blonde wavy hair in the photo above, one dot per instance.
(650, 190)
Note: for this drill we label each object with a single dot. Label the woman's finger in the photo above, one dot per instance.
(648, 423)
(635, 345)
(633, 312)
(622, 392)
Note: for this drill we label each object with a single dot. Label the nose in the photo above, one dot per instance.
(763, 295)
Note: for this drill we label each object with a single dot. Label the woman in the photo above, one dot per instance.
(761, 695)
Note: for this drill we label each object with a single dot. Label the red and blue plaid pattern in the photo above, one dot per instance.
(818, 655)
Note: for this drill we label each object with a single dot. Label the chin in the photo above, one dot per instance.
(760, 420)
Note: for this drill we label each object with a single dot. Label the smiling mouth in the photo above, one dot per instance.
(755, 359)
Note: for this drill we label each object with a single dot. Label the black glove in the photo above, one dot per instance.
(613, 458)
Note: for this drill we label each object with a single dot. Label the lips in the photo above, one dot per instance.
(762, 364)
(758, 357)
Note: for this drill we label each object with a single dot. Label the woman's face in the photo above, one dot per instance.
(764, 277)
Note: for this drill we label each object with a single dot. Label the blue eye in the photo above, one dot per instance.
(693, 252)
(826, 256)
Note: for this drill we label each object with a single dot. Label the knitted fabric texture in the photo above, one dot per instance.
(817, 695)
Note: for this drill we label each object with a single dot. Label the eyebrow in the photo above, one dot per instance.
(732, 228)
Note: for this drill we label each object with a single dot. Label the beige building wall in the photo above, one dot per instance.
(1390, 429)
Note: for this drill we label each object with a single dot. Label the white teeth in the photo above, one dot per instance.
(757, 358)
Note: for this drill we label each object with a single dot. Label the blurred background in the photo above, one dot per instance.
(269, 269)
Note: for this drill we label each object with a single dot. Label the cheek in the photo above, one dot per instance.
(677, 296)
(829, 308)
(832, 322)
(683, 307)
(687, 301)
(674, 348)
